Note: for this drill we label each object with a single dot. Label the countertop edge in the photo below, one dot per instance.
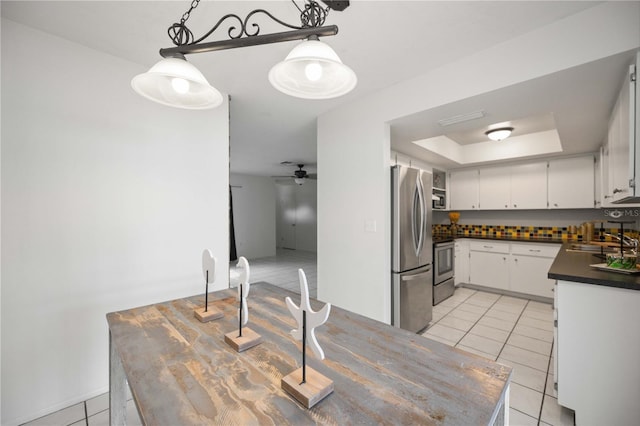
(574, 266)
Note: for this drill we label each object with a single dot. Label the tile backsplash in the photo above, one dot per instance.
(533, 232)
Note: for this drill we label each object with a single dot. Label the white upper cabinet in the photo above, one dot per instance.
(495, 188)
(529, 186)
(463, 190)
(621, 184)
(522, 186)
(562, 183)
(571, 183)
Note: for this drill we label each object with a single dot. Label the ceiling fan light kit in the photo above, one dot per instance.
(312, 70)
(499, 134)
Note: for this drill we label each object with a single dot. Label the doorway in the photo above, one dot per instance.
(296, 216)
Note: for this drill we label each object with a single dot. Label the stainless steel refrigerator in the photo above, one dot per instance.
(412, 249)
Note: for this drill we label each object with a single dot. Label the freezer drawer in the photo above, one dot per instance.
(411, 299)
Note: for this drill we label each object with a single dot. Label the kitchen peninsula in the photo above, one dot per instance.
(181, 372)
(597, 344)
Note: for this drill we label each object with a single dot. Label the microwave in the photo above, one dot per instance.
(439, 200)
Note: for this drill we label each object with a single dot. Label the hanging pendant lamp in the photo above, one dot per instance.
(313, 70)
(175, 82)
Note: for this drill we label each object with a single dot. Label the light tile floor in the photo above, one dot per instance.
(515, 332)
(512, 331)
(282, 269)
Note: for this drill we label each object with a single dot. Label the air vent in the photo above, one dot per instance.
(461, 118)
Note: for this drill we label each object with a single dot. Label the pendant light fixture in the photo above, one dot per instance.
(175, 82)
(499, 134)
(311, 71)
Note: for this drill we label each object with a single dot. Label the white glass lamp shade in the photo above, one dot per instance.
(175, 82)
(499, 134)
(299, 181)
(312, 70)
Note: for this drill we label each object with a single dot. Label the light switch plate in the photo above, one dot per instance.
(370, 226)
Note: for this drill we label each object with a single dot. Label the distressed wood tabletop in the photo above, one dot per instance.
(181, 371)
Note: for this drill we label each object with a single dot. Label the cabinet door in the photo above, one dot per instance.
(571, 183)
(619, 144)
(463, 190)
(529, 186)
(528, 275)
(494, 188)
(489, 269)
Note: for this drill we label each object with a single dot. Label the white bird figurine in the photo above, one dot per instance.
(208, 266)
(245, 272)
(314, 319)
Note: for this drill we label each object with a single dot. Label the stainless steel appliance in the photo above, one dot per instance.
(412, 249)
(439, 199)
(443, 270)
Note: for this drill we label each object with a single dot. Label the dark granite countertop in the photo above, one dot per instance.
(574, 266)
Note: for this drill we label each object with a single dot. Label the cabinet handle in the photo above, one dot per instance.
(607, 196)
(535, 250)
(616, 190)
(488, 247)
(506, 205)
(515, 205)
(515, 260)
(555, 204)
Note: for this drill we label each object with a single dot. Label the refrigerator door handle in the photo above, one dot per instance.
(419, 276)
(418, 213)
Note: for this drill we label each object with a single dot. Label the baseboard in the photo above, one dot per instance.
(535, 298)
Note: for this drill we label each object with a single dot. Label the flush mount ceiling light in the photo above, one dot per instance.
(499, 134)
(311, 71)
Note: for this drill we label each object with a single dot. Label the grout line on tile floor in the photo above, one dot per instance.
(511, 331)
(474, 324)
(86, 414)
(546, 379)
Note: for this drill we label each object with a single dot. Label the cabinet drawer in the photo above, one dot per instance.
(489, 246)
(538, 250)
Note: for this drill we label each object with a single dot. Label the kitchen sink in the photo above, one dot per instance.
(591, 248)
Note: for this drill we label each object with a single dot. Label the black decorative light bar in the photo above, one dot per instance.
(312, 70)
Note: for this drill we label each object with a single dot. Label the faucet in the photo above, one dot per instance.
(626, 241)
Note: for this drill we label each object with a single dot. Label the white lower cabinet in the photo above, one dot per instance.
(598, 348)
(517, 267)
(529, 266)
(488, 265)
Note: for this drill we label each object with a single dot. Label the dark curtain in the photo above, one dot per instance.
(233, 254)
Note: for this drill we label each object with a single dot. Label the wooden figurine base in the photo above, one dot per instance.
(314, 390)
(211, 314)
(248, 340)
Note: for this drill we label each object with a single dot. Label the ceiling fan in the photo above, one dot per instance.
(299, 175)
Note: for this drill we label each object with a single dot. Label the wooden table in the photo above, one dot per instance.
(181, 372)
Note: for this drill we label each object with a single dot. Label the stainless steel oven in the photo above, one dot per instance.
(443, 269)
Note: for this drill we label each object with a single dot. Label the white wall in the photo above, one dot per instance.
(108, 201)
(297, 204)
(254, 215)
(353, 210)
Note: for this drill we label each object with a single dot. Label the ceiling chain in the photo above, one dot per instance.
(312, 16)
